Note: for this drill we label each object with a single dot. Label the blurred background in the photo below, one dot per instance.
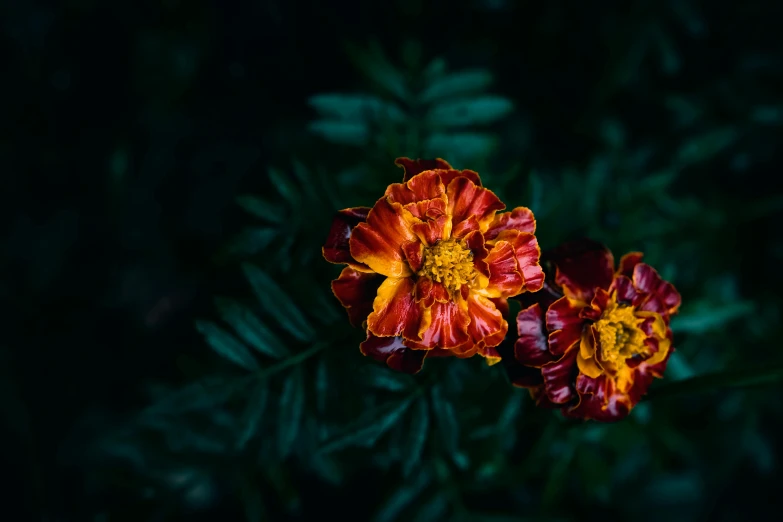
(171, 348)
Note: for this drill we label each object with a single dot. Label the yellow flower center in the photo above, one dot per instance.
(449, 262)
(619, 334)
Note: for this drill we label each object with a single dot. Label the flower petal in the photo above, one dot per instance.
(521, 219)
(447, 327)
(466, 198)
(393, 352)
(626, 293)
(414, 254)
(337, 247)
(662, 296)
(528, 256)
(628, 262)
(425, 186)
(378, 242)
(565, 325)
(504, 278)
(356, 291)
(395, 311)
(583, 266)
(559, 378)
(413, 167)
(599, 400)
(430, 231)
(487, 326)
(428, 292)
(585, 360)
(531, 347)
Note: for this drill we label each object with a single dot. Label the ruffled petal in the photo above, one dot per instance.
(466, 198)
(528, 255)
(626, 293)
(521, 219)
(565, 325)
(378, 242)
(504, 277)
(585, 360)
(428, 292)
(393, 352)
(448, 324)
(487, 326)
(430, 231)
(531, 347)
(427, 209)
(466, 227)
(417, 166)
(661, 296)
(414, 254)
(628, 262)
(337, 247)
(599, 400)
(559, 378)
(356, 291)
(395, 310)
(581, 267)
(425, 186)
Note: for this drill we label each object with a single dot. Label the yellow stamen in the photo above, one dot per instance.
(619, 335)
(449, 262)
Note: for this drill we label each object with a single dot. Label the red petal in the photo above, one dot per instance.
(475, 243)
(413, 167)
(466, 199)
(597, 306)
(392, 351)
(639, 385)
(447, 176)
(628, 262)
(646, 278)
(337, 249)
(626, 293)
(427, 209)
(487, 326)
(599, 401)
(414, 254)
(662, 296)
(565, 325)
(466, 227)
(379, 241)
(582, 267)
(531, 348)
(395, 311)
(356, 292)
(429, 292)
(559, 378)
(528, 256)
(521, 219)
(421, 187)
(448, 328)
(430, 231)
(504, 277)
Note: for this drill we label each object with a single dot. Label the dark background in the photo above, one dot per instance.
(130, 128)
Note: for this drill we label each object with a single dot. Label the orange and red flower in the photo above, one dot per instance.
(431, 264)
(593, 340)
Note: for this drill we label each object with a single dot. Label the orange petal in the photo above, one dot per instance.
(466, 227)
(428, 292)
(395, 311)
(356, 291)
(528, 255)
(487, 326)
(504, 277)
(448, 327)
(378, 242)
(582, 266)
(393, 352)
(413, 167)
(422, 187)
(447, 176)
(565, 325)
(414, 254)
(466, 199)
(430, 231)
(585, 359)
(427, 209)
(521, 219)
(337, 247)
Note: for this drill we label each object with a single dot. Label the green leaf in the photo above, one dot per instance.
(768, 374)
(706, 146)
(706, 318)
(368, 428)
(261, 208)
(356, 108)
(254, 412)
(292, 401)
(341, 132)
(277, 303)
(226, 345)
(372, 62)
(448, 425)
(418, 433)
(558, 475)
(464, 146)
(458, 83)
(433, 509)
(285, 187)
(471, 111)
(250, 328)
(248, 242)
(384, 378)
(402, 498)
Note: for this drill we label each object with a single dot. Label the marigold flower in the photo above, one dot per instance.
(593, 340)
(430, 266)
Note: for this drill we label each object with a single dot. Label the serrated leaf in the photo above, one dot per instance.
(367, 429)
(254, 412)
(226, 345)
(341, 132)
(448, 425)
(357, 108)
(399, 500)
(292, 400)
(250, 328)
(261, 208)
(458, 83)
(464, 146)
(418, 433)
(470, 111)
(383, 378)
(710, 318)
(277, 303)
